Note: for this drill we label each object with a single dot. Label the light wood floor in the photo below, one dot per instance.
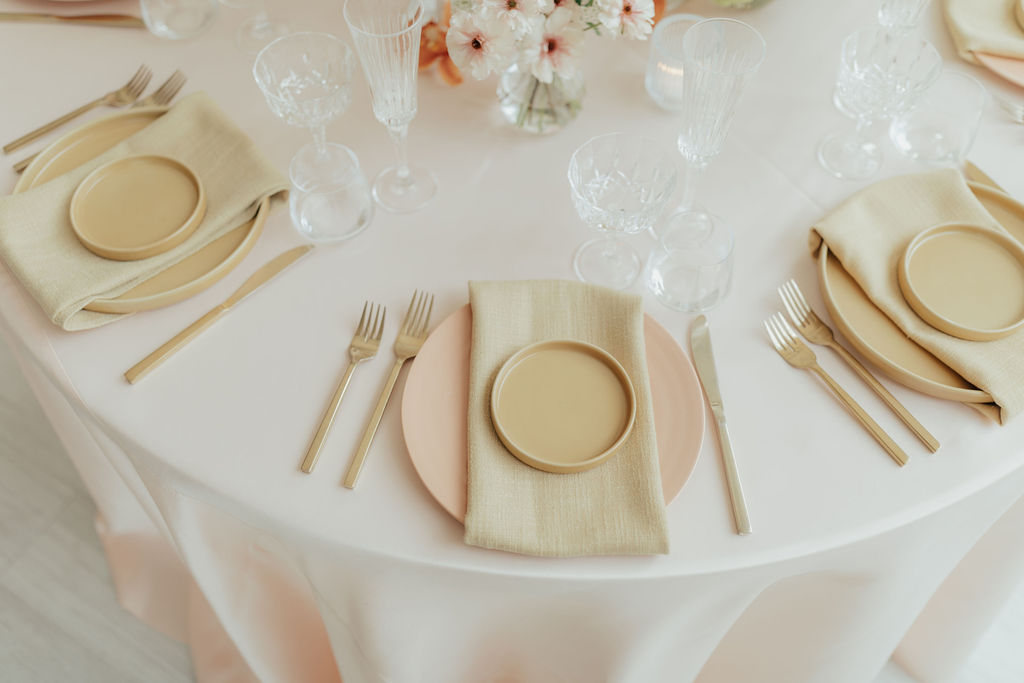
(60, 621)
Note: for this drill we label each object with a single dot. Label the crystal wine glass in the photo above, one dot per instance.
(720, 57)
(386, 34)
(620, 183)
(306, 79)
(880, 75)
(900, 16)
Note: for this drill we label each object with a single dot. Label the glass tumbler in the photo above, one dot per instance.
(664, 77)
(333, 203)
(940, 128)
(691, 268)
(177, 19)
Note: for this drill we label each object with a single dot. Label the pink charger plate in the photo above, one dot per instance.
(434, 410)
(1009, 68)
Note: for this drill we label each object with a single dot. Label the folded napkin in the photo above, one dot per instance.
(38, 245)
(985, 26)
(614, 508)
(869, 232)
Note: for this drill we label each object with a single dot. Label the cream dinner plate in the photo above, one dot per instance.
(186, 278)
(562, 405)
(436, 396)
(881, 341)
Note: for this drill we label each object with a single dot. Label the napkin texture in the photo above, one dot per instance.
(869, 233)
(984, 26)
(38, 245)
(614, 508)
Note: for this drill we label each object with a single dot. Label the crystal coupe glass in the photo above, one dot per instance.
(880, 76)
(620, 184)
(386, 34)
(306, 79)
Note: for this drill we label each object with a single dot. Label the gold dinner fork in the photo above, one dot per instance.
(410, 339)
(364, 345)
(158, 98)
(817, 332)
(799, 355)
(126, 94)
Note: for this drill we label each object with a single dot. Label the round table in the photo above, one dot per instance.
(215, 536)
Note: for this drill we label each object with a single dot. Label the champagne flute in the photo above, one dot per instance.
(386, 34)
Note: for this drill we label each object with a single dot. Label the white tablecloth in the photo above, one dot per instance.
(215, 536)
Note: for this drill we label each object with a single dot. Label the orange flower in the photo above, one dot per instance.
(434, 49)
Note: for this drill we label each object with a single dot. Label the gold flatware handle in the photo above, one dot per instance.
(150, 362)
(52, 125)
(23, 164)
(901, 411)
(890, 446)
(313, 453)
(119, 20)
(732, 478)
(371, 427)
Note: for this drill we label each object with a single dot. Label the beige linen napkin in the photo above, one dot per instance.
(614, 508)
(38, 245)
(984, 26)
(869, 232)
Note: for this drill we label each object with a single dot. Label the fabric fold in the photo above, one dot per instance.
(614, 508)
(869, 233)
(38, 245)
(988, 26)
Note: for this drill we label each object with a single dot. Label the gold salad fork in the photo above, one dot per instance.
(365, 343)
(158, 98)
(126, 94)
(785, 340)
(410, 339)
(817, 332)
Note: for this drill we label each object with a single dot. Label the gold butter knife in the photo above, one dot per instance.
(257, 280)
(120, 20)
(704, 360)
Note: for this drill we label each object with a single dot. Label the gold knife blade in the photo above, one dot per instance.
(263, 275)
(704, 360)
(119, 20)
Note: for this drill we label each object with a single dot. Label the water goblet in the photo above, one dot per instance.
(306, 79)
(386, 34)
(940, 127)
(880, 76)
(620, 183)
(900, 16)
(720, 57)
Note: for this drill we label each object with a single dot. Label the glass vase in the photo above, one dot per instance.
(537, 107)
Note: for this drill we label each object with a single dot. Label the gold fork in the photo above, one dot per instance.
(364, 345)
(410, 339)
(126, 94)
(159, 97)
(817, 332)
(799, 355)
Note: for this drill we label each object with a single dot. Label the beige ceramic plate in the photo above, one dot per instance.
(562, 405)
(436, 395)
(874, 335)
(136, 207)
(965, 280)
(186, 278)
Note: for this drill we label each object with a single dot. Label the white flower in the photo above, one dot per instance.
(548, 6)
(518, 15)
(478, 44)
(555, 47)
(630, 18)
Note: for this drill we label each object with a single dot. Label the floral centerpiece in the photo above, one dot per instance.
(537, 46)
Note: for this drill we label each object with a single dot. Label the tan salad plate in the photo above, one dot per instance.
(881, 341)
(562, 405)
(186, 278)
(136, 207)
(965, 280)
